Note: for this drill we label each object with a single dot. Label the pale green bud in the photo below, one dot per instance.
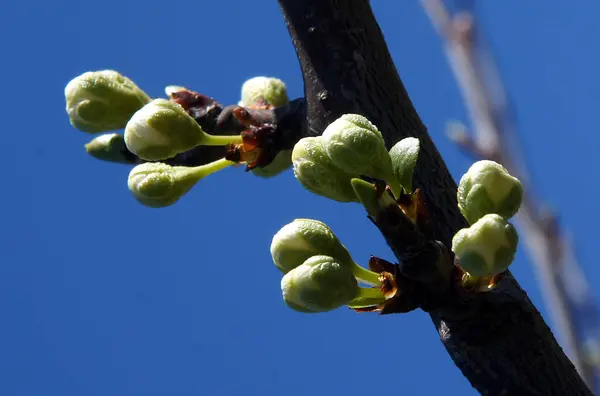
(404, 156)
(102, 101)
(156, 185)
(281, 162)
(486, 248)
(304, 238)
(317, 173)
(320, 284)
(260, 91)
(357, 147)
(487, 187)
(163, 129)
(110, 147)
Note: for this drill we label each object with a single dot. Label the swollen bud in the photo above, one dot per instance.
(317, 173)
(161, 130)
(486, 248)
(487, 187)
(356, 146)
(102, 101)
(404, 156)
(110, 147)
(303, 238)
(156, 185)
(320, 284)
(260, 92)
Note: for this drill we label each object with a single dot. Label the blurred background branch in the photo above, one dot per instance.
(493, 135)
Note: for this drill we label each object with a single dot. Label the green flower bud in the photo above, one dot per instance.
(110, 147)
(304, 238)
(163, 129)
(281, 162)
(317, 173)
(356, 146)
(320, 284)
(260, 91)
(404, 156)
(487, 187)
(486, 248)
(156, 185)
(102, 101)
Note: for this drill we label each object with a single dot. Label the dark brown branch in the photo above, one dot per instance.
(498, 339)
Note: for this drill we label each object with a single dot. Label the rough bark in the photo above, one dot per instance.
(498, 340)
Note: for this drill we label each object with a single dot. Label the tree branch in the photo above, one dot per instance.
(498, 339)
(493, 129)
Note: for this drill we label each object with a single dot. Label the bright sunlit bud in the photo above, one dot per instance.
(163, 129)
(486, 248)
(304, 238)
(281, 162)
(262, 92)
(171, 89)
(102, 101)
(356, 146)
(156, 185)
(404, 156)
(487, 187)
(109, 147)
(320, 284)
(317, 173)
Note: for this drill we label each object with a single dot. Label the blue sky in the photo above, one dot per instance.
(99, 295)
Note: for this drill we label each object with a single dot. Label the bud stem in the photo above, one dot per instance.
(367, 297)
(366, 276)
(217, 140)
(198, 172)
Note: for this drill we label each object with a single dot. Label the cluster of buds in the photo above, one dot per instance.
(352, 147)
(157, 130)
(488, 196)
(319, 273)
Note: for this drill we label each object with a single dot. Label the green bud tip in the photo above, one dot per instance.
(320, 284)
(108, 147)
(163, 129)
(102, 101)
(157, 185)
(487, 187)
(357, 147)
(486, 248)
(281, 162)
(263, 91)
(404, 156)
(317, 173)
